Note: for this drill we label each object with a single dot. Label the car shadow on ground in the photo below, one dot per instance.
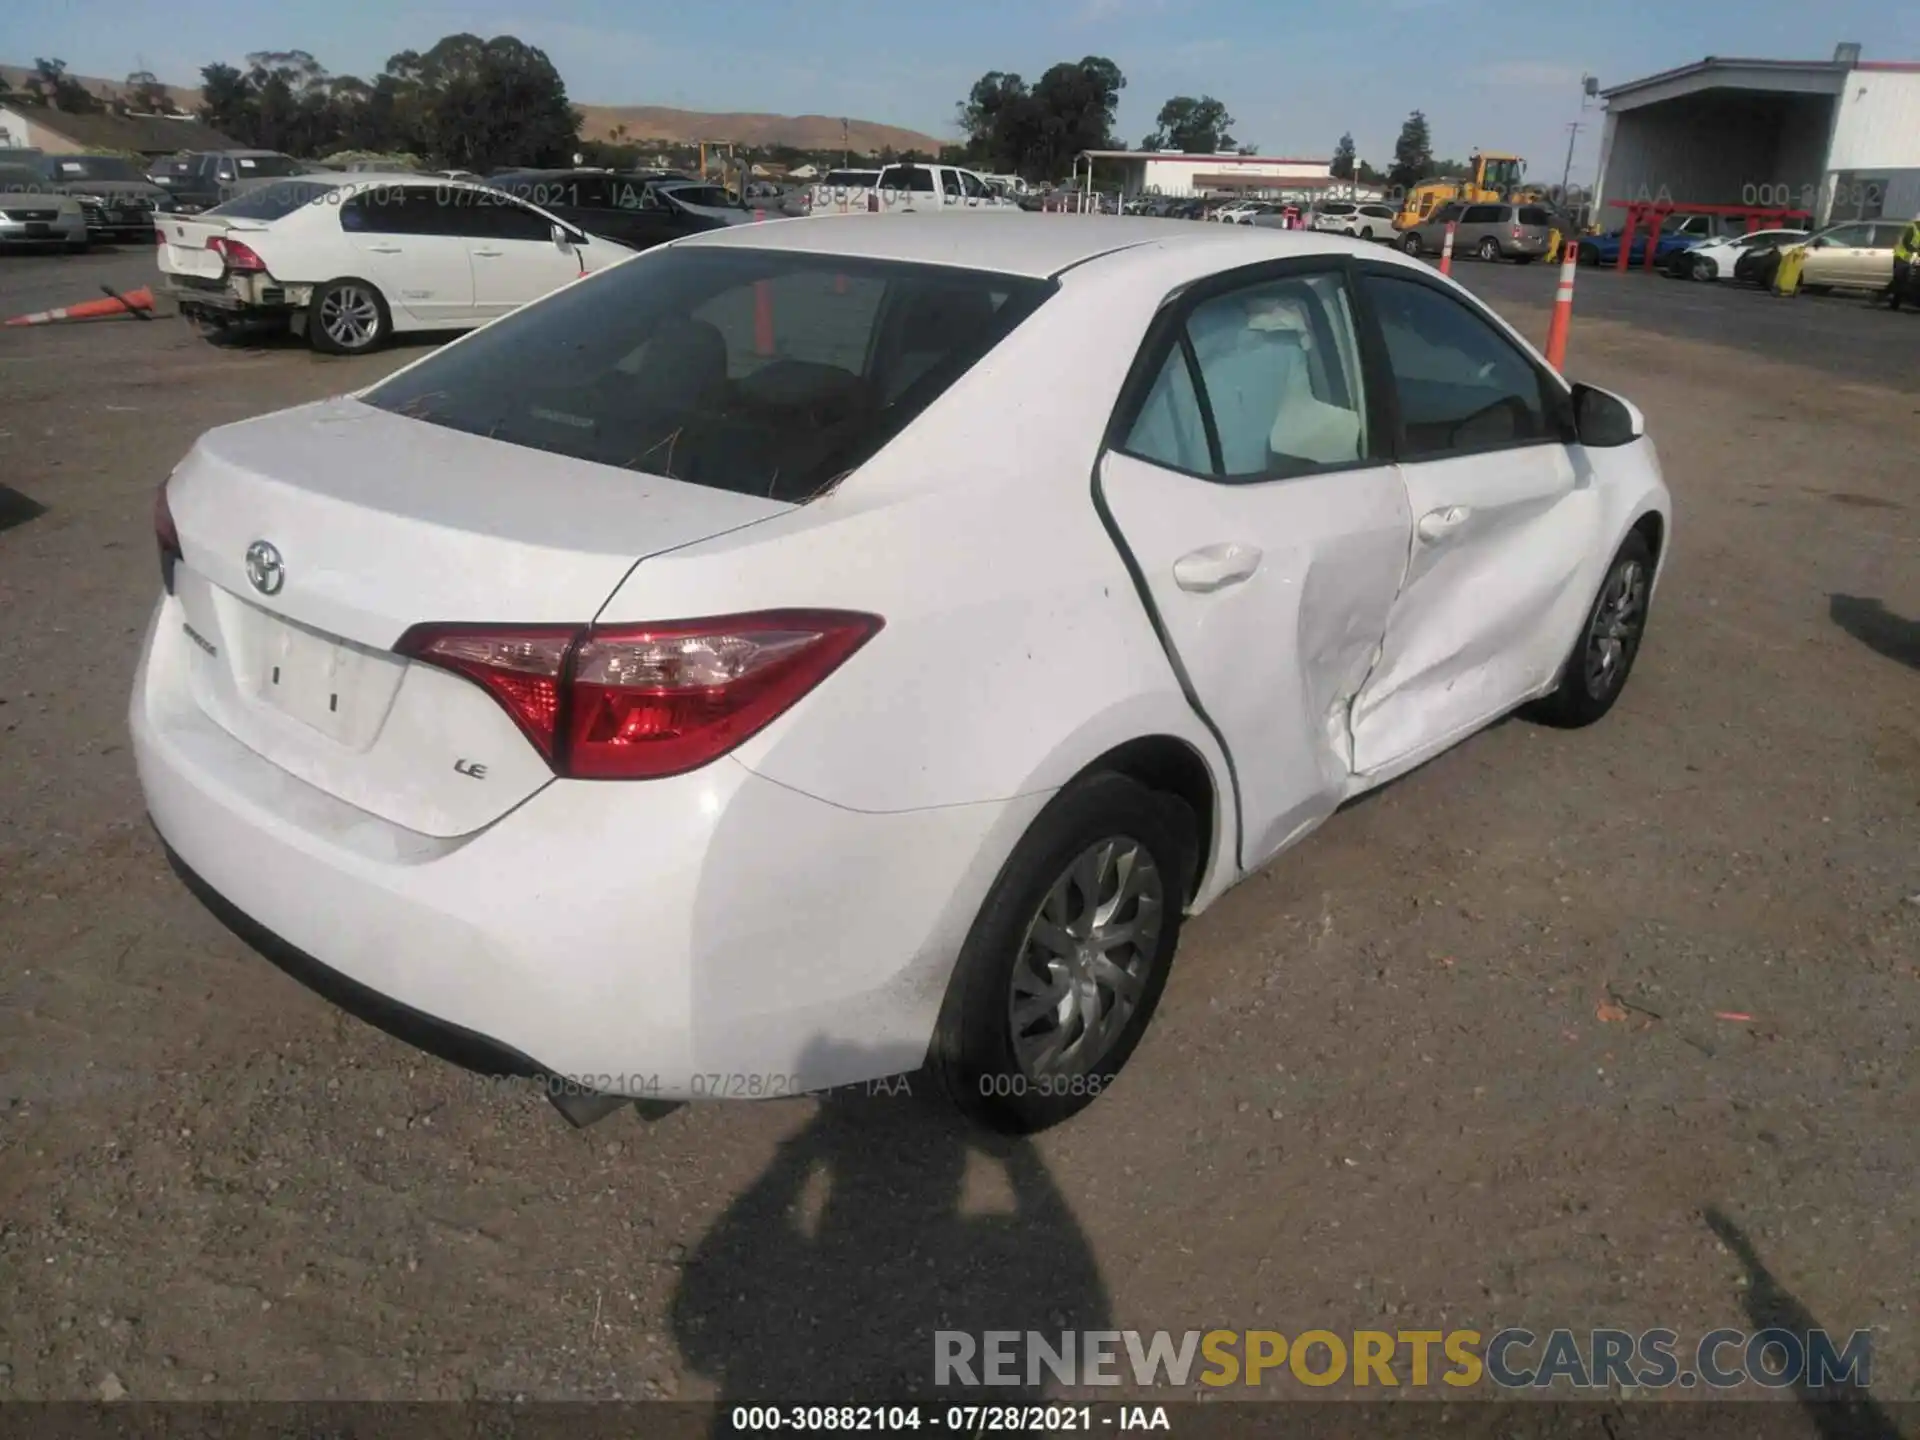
(18, 509)
(1838, 1412)
(1876, 627)
(883, 1221)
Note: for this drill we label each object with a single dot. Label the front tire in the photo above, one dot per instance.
(1411, 245)
(348, 317)
(1489, 249)
(1068, 956)
(1602, 658)
(1702, 268)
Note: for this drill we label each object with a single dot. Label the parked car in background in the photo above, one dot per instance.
(835, 192)
(631, 694)
(350, 260)
(639, 211)
(33, 214)
(1716, 259)
(1854, 255)
(913, 188)
(1677, 234)
(1521, 233)
(200, 180)
(1364, 219)
(114, 191)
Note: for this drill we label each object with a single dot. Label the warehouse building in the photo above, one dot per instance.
(1839, 137)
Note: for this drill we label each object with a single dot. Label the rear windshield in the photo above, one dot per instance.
(709, 195)
(18, 179)
(94, 167)
(1337, 207)
(850, 177)
(764, 372)
(272, 202)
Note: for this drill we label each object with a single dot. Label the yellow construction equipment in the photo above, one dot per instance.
(1495, 177)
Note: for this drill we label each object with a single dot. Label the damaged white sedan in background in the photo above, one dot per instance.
(664, 687)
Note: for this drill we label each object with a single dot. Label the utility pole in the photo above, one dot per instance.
(846, 154)
(1574, 127)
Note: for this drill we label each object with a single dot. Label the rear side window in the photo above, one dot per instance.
(395, 210)
(1484, 215)
(275, 202)
(916, 179)
(758, 371)
(1462, 385)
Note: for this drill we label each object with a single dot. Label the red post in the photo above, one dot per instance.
(1626, 238)
(1659, 221)
(762, 317)
(1446, 251)
(758, 216)
(1562, 309)
(839, 284)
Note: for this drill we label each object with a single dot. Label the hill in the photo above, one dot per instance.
(651, 122)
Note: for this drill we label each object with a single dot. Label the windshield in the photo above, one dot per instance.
(272, 202)
(94, 167)
(1503, 174)
(16, 179)
(765, 372)
(257, 167)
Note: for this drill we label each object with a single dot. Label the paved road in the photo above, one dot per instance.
(1840, 333)
(32, 281)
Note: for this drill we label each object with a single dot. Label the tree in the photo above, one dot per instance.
(226, 101)
(1412, 153)
(145, 93)
(1369, 175)
(1342, 167)
(49, 84)
(1038, 131)
(1197, 127)
(484, 103)
(988, 107)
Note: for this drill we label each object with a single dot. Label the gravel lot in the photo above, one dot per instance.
(1384, 1088)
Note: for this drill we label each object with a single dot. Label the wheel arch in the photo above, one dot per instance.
(1173, 766)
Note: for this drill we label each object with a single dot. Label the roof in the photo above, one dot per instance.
(1185, 158)
(1017, 243)
(142, 134)
(1731, 62)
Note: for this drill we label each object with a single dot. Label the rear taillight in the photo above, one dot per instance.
(166, 536)
(639, 702)
(236, 254)
(1516, 232)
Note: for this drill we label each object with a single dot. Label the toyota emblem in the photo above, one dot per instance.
(266, 571)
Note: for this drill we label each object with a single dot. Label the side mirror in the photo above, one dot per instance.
(563, 238)
(1603, 419)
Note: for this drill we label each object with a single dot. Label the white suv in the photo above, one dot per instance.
(1344, 217)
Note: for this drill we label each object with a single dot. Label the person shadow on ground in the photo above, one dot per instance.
(885, 1220)
(1876, 627)
(1843, 1412)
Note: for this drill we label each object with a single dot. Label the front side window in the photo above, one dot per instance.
(1279, 379)
(1462, 386)
(915, 179)
(483, 216)
(1845, 237)
(668, 364)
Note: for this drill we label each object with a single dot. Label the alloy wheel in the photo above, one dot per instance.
(1083, 965)
(350, 316)
(1615, 634)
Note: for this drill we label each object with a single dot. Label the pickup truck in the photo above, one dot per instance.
(909, 188)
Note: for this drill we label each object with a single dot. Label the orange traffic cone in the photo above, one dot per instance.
(134, 302)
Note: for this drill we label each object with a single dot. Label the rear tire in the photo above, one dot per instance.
(348, 317)
(1068, 956)
(1602, 658)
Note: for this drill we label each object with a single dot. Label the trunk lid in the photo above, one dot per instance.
(377, 523)
(186, 252)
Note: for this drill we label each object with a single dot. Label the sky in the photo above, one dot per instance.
(1497, 74)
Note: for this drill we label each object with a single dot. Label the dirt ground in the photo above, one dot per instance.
(1383, 1090)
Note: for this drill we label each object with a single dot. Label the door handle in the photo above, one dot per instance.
(490, 254)
(385, 249)
(1214, 567)
(1438, 524)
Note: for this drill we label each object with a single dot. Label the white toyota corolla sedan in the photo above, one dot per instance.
(808, 652)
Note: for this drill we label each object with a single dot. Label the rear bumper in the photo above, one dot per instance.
(236, 296)
(714, 935)
(64, 231)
